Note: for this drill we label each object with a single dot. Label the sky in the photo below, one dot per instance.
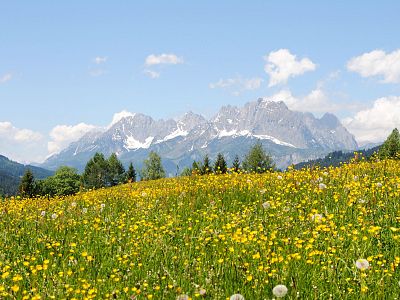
(69, 67)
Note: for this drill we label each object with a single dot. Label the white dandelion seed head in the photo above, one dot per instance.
(236, 297)
(263, 191)
(280, 290)
(144, 194)
(54, 216)
(84, 210)
(202, 292)
(73, 204)
(362, 264)
(43, 213)
(362, 201)
(322, 186)
(266, 205)
(320, 179)
(317, 217)
(182, 297)
(325, 173)
(279, 177)
(378, 184)
(355, 178)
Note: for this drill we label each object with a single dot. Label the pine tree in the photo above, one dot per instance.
(96, 172)
(131, 174)
(391, 147)
(206, 167)
(27, 186)
(236, 164)
(220, 166)
(257, 160)
(186, 172)
(152, 168)
(115, 170)
(196, 167)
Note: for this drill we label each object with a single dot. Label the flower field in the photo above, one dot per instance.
(309, 234)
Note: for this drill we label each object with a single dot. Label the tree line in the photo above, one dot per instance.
(107, 172)
(255, 161)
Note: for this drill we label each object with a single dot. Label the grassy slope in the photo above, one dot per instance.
(164, 238)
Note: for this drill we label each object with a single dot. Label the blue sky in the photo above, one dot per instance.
(76, 63)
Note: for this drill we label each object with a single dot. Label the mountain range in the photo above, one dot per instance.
(289, 136)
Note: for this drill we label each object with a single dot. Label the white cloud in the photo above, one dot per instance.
(152, 74)
(281, 65)
(238, 84)
(100, 60)
(62, 135)
(11, 133)
(316, 101)
(97, 72)
(170, 59)
(5, 78)
(20, 144)
(374, 124)
(377, 63)
(120, 115)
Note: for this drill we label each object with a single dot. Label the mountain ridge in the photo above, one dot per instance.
(290, 136)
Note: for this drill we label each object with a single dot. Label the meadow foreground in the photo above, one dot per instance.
(324, 234)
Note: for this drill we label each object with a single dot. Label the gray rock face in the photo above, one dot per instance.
(289, 136)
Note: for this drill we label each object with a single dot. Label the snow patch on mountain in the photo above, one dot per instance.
(172, 135)
(132, 144)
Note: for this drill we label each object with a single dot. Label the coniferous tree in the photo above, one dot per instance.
(27, 186)
(391, 147)
(206, 167)
(220, 166)
(131, 173)
(257, 160)
(236, 164)
(196, 167)
(186, 172)
(96, 172)
(115, 170)
(152, 168)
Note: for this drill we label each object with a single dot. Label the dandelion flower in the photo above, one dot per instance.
(362, 264)
(236, 297)
(362, 201)
(266, 205)
(317, 217)
(280, 290)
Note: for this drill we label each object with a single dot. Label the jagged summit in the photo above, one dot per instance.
(289, 135)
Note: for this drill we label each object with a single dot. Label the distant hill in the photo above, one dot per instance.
(336, 158)
(11, 172)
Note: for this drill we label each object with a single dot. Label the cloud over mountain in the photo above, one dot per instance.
(377, 63)
(281, 65)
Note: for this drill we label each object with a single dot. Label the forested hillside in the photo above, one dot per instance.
(11, 171)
